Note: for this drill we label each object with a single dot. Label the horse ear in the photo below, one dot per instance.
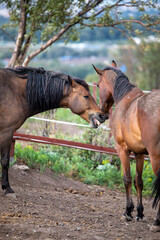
(71, 81)
(114, 64)
(99, 71)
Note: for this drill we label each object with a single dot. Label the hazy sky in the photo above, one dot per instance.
(3, 11)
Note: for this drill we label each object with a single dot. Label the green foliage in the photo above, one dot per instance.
(86, 166)
(149, 64)
(48, 16)
(52, 20)
(92, 77)
(66, 115)
(148, 177)
(73, 162)
(142, 63)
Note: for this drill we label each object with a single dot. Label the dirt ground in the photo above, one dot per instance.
(52, 207)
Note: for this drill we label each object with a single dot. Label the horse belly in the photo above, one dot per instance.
(134, 143)
(132, 133)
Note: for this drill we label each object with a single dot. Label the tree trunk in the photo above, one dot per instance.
(20, 36)
(24, 50)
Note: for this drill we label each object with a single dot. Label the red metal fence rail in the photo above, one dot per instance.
(64, 143)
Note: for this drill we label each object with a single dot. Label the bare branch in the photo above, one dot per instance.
(7, 34)
(102, 10)
(96, 14)
(125, 34)
(47, 44)
(92, 6)
(130, 38)
(139, 22)
(124, 21)
(60, 33)
(117, 4)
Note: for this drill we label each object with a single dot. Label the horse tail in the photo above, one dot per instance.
(156, 190)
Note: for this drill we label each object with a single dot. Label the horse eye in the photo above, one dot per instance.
(98, 85)
(86, 97)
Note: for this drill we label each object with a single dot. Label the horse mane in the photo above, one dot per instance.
(45, 89)
(122, 84)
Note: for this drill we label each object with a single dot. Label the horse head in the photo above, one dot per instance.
(81, 102)
(105, 85)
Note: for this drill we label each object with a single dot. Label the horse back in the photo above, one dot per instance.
(13, 103)
(149, 119)
(9, 79)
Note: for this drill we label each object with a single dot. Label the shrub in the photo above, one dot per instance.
(87, 166)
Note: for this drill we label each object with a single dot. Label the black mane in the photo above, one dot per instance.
(45, 89)
(122, 85)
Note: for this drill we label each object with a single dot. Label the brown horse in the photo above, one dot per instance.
(135, 124)
(28, 91)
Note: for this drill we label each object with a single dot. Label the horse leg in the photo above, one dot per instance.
(156, 225)
(138, 183)
(5, 157)
(124, 157)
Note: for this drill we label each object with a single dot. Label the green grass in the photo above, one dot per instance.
(86, 166)
(66, 115)
(82, 165)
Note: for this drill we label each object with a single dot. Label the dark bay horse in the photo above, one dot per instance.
(28, 91)
(135, 124)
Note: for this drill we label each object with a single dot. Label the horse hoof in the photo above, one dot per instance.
(10, 195)
(127, 218)
(143, 219)
(154, 228)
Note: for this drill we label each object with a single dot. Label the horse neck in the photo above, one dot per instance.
(109, 82)
(122, 86)
(45, 96)
(131, 96)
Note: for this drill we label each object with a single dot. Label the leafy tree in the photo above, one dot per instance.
(142, 63)
(55, 20)
(147, 72)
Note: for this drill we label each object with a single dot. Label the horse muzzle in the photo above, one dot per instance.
(97, 119)
(106, 116)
